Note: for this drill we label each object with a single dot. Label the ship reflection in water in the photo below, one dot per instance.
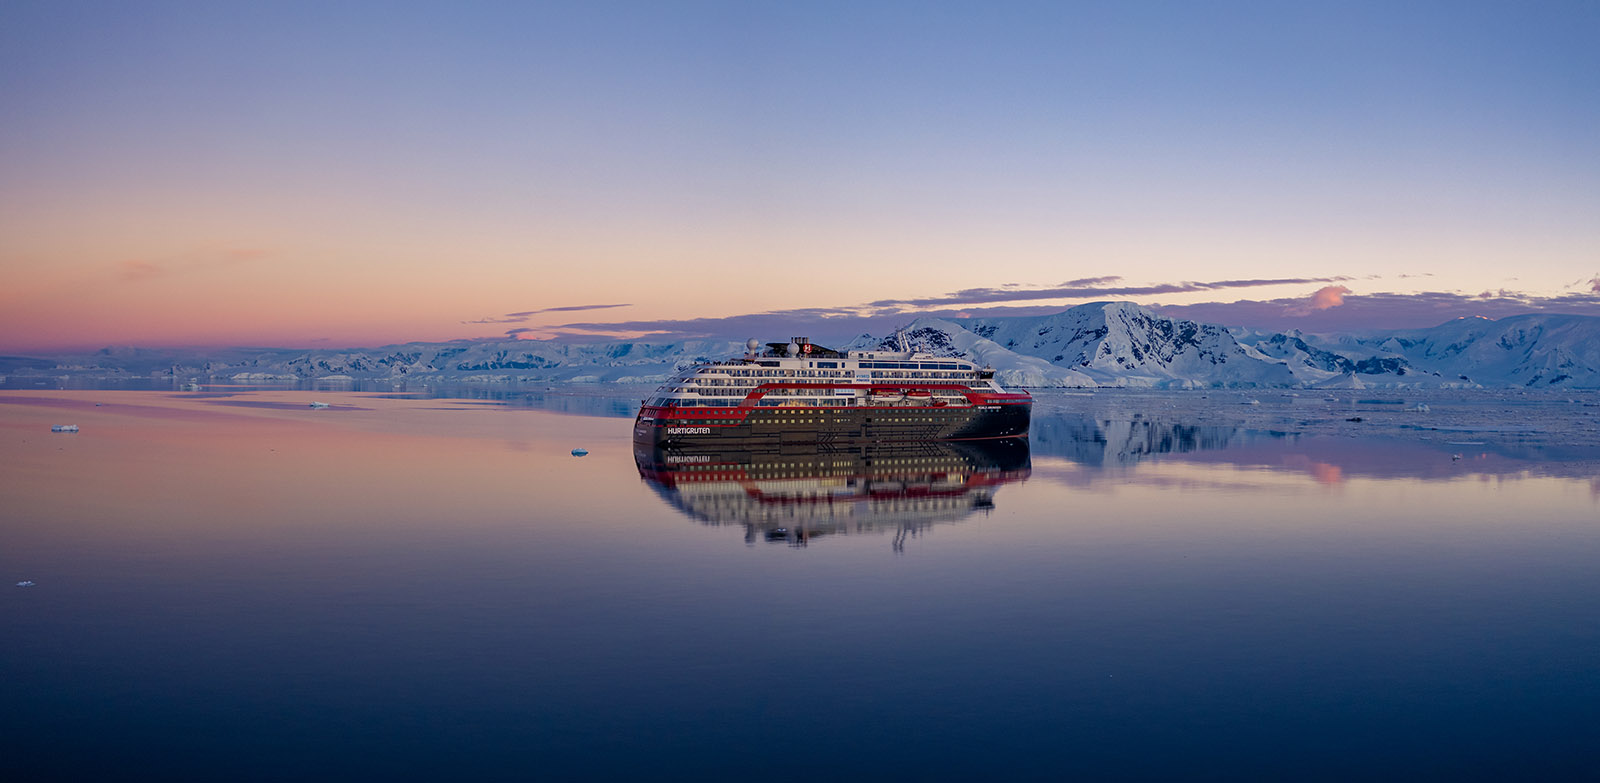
(793, 495)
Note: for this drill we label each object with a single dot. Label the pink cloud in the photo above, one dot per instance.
(243, 254)
(135, 269)
(1328, 296)
(1325, 298)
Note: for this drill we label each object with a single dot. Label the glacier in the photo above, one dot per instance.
(1101, 344)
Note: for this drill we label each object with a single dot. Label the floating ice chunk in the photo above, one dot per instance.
(1251, 402)
(580, 451)
(63, 428)
(319, 405)
(1420, 407)
(25, 583)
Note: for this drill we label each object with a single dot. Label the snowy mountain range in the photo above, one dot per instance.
(1100, 344)
(1103, 344)
(1123, 344)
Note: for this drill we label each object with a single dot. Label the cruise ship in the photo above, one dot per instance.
(799, 392)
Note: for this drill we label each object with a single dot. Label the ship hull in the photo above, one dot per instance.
(824, 425)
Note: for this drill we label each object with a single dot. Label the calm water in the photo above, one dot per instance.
(236, 586)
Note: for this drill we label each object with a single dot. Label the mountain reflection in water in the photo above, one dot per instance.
(1108, 442)
(792, 495)
(1115, 448)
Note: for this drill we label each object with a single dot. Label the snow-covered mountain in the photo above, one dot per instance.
(1321, 367)
(1537, 350)
(511, 360)
(1122, 344)
(950, 338)
(498, 361)
(1100, 344)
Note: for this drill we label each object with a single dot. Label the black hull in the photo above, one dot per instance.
(825, 426)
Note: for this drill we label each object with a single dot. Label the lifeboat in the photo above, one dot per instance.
(886, 396)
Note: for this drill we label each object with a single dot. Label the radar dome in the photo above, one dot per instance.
(794, 349)
(752, 344)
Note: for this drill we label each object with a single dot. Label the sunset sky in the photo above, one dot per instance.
(332, 174)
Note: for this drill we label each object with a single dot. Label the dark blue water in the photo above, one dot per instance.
(418, 589)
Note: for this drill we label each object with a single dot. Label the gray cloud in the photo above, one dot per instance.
(1331, 308)
(884, 314)
(1356, 312)
(1090, 288)
(517, 318)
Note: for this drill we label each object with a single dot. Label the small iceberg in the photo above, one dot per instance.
(579, 452)
(25, 583)
(63, 428)
(319, 405)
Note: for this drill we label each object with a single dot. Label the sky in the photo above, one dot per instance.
(355, 174)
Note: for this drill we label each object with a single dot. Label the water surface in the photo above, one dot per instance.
(235, 585)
